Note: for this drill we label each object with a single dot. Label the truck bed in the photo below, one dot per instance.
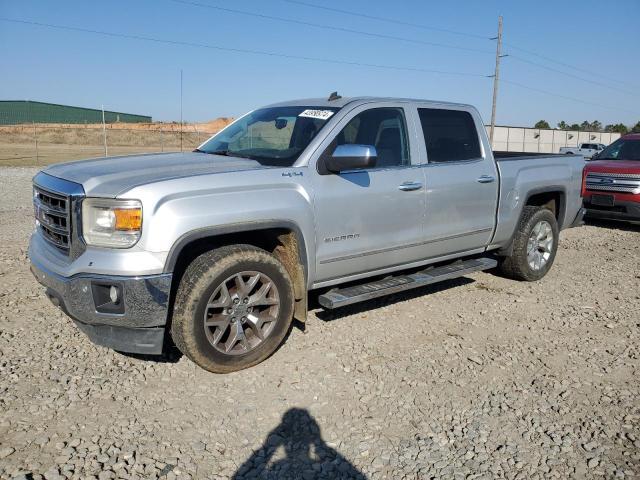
(523, 174)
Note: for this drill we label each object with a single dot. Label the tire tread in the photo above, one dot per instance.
(515, 266)
(196, 279)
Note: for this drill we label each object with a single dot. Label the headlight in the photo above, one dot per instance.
(111, 223)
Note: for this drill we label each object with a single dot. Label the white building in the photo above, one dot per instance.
(518, 139)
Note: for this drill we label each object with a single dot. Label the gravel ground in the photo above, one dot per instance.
(485, 378)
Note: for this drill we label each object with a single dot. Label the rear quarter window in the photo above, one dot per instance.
(449, 135)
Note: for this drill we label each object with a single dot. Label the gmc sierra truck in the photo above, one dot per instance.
(215, 251)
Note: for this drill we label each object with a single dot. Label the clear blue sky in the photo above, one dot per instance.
(144, 77)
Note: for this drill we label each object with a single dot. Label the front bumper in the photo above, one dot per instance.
(140, 328)
(622, 210)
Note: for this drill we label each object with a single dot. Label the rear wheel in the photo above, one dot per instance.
(534, 245)
(233, 308)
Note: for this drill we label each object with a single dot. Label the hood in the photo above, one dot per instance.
(111, 176)
(614, 166)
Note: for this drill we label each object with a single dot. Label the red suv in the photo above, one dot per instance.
(612, 181)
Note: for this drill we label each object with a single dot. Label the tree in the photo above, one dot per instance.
(563, 125)
(636, 128)
(542, 124)
(616, 128)
(596, 126)
(574, 126)
(585, 125)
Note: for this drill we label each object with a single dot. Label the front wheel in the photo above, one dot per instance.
(535, 243)
(233, 308)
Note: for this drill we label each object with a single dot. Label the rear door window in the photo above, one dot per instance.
(449, 135)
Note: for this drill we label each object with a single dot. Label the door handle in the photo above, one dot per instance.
(410, 186)
(486, 179)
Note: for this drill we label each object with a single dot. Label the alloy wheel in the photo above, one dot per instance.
(540, 245)
(241, 312)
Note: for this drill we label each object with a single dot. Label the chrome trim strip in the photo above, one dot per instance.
(614, 175)
(57, 185)
(616, 188)
(402, 247)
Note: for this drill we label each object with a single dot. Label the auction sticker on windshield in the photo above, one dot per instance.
(319, 114)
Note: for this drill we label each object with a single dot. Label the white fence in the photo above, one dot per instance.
(517, 139)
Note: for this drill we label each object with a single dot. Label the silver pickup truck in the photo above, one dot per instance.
(216, 250)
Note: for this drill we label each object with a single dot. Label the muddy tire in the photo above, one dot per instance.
(535, 243)
(233, 308)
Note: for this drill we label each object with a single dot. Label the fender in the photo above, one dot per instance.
(204, 232)
(508, 249)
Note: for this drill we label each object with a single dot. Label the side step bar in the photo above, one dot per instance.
(339, 297)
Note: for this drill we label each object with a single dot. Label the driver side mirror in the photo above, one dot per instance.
(352, 157)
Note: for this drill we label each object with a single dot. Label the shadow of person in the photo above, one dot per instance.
(306, 455)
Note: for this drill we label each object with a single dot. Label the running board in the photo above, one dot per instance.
(339, 297)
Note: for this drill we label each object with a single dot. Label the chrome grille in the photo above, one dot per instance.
(614, 182)
(53, 217)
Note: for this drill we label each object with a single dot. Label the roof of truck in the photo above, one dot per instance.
(342, 101)
(632, 136)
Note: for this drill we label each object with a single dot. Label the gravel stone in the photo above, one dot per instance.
(6, 451)
(593, 463)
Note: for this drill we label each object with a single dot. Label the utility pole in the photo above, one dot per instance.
(496, 78)
(181, 123)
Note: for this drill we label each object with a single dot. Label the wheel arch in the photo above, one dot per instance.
(552, 197)
(282, 238)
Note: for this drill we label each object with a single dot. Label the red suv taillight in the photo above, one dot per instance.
(583, 190)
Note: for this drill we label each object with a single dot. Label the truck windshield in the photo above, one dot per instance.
(621, 149)
(272, 136)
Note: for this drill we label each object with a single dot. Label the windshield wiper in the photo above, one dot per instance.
(225, 153)
(228, 153)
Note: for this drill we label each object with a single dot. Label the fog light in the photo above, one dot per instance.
(114, 295)
(108, 297)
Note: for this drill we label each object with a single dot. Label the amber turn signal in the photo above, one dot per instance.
(128, 219)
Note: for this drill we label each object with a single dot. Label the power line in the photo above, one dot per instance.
(388, 37)
(240, 50)
(567, 65)
(454, 32)
(389, 20)
(331, 27)
(288, 56)
(566, 97)
(577, 77)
